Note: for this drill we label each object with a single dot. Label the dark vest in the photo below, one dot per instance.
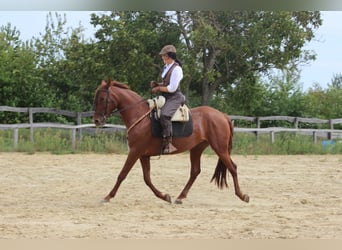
(166, 80)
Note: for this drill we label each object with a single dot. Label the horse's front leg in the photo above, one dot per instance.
(130, 161)
(146, 167)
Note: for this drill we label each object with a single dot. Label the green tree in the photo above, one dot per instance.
(225, 55)
(131, 41)
(49, 49)
(79, 72)
(222, 50)
(237, 47)
(336, 82)
(71, 65)
(20, 85)
(284, 95)
(324, 103)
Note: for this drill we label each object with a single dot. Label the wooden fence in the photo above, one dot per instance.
(329, 133)
(255, 122)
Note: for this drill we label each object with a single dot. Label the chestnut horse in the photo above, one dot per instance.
(210, 127)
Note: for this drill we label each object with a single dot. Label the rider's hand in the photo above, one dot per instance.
(153, 84)
(156, 89)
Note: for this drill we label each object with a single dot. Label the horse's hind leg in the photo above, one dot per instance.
(227, 161)
(146, 167)
(195, 158)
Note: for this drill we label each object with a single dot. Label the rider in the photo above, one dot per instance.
(172, 74)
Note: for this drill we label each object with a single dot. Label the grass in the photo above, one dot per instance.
(58, 141)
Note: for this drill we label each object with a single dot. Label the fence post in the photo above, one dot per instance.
(331, 126)
(272, 136)
(15, 138)
(31, 124)
(296, 122)
(257, 121)
(73, 138)
(79, 122)
(314, 135)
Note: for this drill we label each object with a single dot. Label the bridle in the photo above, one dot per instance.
(105, 115)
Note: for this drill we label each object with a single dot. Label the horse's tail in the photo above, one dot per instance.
(220, 174)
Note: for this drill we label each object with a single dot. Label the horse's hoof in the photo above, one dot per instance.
(168, 198)
(104, 201)
(246, 198)
(178, 201)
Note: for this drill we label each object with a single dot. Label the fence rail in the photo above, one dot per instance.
(328, 133)
(291, 119)
(314, 132)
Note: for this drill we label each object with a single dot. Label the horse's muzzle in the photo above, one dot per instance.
(99, 121)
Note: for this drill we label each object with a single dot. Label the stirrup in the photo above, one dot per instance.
(169, 148)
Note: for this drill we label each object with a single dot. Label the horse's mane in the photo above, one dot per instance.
(117, 84)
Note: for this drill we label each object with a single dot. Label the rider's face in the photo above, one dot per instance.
(166, 59)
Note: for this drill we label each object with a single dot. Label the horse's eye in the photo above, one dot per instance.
(102, 99)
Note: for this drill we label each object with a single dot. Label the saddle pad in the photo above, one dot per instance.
(179, 129)
(182, 114)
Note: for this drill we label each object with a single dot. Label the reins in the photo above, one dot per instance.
(139, 120)
(117, 111)
(128, 107)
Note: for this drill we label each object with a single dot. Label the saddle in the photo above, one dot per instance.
(181, 120)
(181, 115)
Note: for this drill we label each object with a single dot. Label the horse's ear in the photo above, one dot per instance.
(110, 82)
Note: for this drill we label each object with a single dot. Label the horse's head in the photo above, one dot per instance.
(104, 103)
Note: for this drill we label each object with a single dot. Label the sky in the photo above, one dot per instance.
(326, 45)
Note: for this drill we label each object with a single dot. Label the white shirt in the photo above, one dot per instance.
(176, 77)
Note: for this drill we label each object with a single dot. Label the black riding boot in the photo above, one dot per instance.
(168, 148)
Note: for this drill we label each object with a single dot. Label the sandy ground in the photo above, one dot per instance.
(58, 196)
